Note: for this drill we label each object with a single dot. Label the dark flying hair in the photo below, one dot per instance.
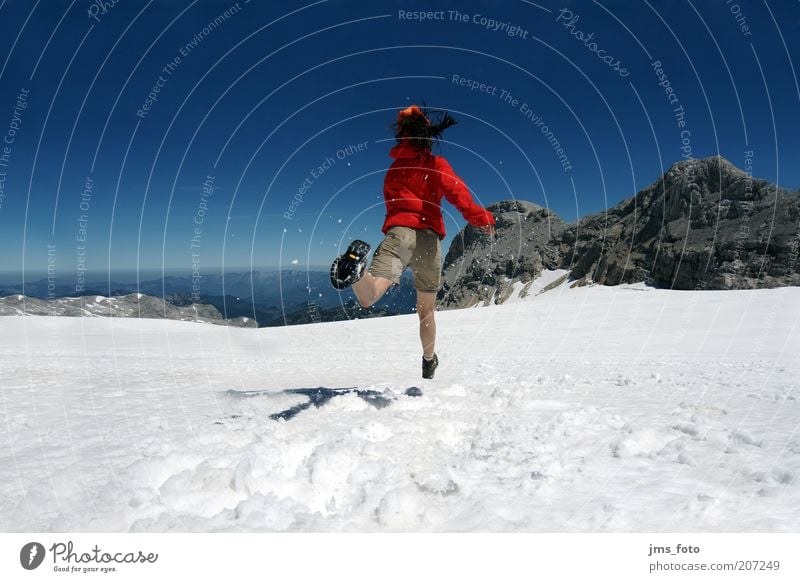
(414, 125)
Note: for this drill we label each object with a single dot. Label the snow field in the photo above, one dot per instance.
(590, 409)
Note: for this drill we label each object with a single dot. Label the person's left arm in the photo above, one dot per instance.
(456, 192)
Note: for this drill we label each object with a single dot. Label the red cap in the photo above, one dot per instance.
(411, 111)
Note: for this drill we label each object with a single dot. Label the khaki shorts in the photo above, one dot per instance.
(409, 247)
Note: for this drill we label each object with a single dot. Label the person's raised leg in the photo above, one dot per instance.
(426, 308)
(369, 288)
(388, 263)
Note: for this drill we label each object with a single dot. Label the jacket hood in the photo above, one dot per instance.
(406, 150)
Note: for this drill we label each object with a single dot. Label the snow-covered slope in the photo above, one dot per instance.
(548, 280)
(586, 409)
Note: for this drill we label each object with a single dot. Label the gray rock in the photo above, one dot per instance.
(704, 225)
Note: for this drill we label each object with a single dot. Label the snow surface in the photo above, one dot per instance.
(587, 409)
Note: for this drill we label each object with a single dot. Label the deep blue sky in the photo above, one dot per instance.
(279, 87)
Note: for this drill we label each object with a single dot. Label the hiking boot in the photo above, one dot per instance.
(349, 267)
(429, 367)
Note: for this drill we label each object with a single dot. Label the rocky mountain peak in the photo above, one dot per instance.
(702, 167)
(514, 206)
(704, 224)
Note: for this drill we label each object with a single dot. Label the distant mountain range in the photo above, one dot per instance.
(133, 305)
(271, 298)
(705, 224)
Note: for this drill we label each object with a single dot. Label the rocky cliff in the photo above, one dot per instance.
(705, 224)
(480, 268)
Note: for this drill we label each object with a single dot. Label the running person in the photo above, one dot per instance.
(414, 226)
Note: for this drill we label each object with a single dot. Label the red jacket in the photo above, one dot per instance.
(413, 190)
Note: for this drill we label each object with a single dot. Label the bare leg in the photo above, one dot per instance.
(369, 289)
(426, 308)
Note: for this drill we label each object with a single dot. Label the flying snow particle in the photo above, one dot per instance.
(294, 262)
